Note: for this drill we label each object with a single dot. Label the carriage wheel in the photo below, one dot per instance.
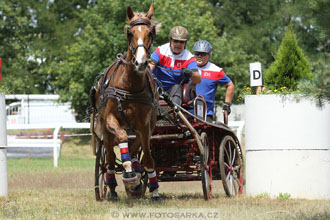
(100, 169)
(231, 166)
(140, 190)
(206, 168)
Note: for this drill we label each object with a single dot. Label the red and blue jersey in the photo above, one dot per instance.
(212, 75)
(172, 62)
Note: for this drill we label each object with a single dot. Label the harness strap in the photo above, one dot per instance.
(120, 109)
(123, 95)
(140, 21)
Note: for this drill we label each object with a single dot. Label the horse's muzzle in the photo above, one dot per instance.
(141, 67)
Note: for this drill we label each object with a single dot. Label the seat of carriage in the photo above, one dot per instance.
(191, 102)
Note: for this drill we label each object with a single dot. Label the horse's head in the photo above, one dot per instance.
(140, 35)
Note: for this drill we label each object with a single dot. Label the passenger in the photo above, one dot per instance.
(173, 64)
(212, 75)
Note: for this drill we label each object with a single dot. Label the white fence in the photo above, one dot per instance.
(237, 126)
(54, 143)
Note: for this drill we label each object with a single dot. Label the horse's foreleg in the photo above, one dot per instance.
(149, 166)
(113, 127)
(134, 150)
(110, 177)
(130, 179)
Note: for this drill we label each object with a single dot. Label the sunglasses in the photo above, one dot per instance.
(200, 54)
(179, 41)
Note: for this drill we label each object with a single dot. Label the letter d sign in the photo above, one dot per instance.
(255, 74)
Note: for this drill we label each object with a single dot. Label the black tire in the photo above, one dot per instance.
(100, 169)
(206, 171)
(231, 166)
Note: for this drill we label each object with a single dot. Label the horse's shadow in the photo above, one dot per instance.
(131, 202)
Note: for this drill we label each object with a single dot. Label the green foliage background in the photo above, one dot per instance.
(60, 46)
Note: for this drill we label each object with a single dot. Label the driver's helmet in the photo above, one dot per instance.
(179, 33)
(203, 46)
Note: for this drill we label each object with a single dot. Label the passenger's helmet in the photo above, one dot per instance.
(203, 46)
(179, 33)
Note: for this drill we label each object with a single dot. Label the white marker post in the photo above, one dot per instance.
(3, 148)
(256, 76)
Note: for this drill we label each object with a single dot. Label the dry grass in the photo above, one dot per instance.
(39, 191)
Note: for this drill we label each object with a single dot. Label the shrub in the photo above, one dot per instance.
(290, 65)
(319, 88)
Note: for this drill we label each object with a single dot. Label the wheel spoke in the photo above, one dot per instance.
(234, 157)
(237, 180)
(226, 152)
(228, 176)
(226, 164)
(236, 168)
(231, 184)
(235, 186)
(230, 153)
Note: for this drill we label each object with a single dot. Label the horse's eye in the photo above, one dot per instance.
(151, 33)
(129, 33)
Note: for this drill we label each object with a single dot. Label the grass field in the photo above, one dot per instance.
(37, 190)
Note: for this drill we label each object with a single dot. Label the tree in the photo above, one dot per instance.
(16, 31)
(102, 38)
(257, 23)
(319, 88)
(290, 65)
(33, 34)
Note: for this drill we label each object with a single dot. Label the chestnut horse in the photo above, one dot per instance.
(126, 98)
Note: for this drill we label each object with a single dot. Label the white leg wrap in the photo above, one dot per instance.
(155, 193)
(148, 170)
(127, 166)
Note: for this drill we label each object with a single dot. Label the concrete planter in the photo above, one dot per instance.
(287, 144)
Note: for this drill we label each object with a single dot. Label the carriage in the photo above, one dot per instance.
(158, 139)
(186, 147)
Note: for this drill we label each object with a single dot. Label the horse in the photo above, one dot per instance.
(126, 97)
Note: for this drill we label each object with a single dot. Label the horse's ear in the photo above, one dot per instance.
(130, 13)
(151, 11)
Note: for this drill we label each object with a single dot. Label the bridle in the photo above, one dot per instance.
(129, 34)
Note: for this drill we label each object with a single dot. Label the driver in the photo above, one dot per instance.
(173, 64)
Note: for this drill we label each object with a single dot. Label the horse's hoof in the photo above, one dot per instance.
(156, 199)
(113, 197)
(137, 192)
(131, 180)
